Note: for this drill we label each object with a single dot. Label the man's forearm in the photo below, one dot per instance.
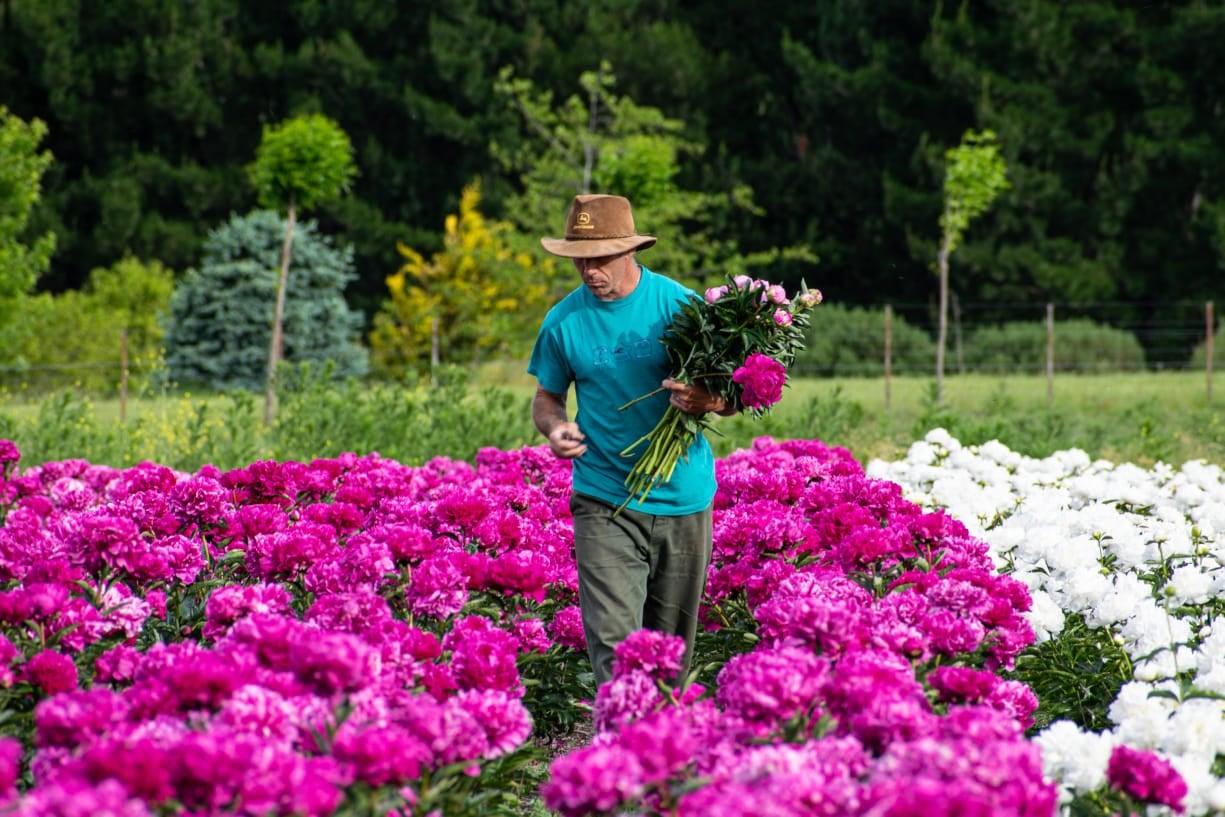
(548, 411)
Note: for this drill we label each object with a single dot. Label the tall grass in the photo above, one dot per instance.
(1131, 417)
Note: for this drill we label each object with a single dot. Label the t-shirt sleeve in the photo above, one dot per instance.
(548, 365)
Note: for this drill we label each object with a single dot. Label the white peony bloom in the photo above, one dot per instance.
(1044, 616)
(1074, 759)
(1190, 584)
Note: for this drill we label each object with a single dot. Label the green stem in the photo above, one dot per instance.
(640, 399)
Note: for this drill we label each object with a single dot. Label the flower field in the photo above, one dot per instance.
(352, 636)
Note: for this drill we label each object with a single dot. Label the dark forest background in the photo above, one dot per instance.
(836, 113)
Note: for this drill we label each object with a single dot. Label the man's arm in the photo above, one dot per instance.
(549, 415)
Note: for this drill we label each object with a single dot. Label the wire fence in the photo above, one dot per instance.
(894, 340)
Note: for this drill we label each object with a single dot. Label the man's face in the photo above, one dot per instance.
(609, 277)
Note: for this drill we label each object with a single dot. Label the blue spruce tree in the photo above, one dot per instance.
(219, 323)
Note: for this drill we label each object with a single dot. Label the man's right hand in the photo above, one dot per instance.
(566, 441)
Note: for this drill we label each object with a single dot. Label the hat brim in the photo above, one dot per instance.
(596, 247)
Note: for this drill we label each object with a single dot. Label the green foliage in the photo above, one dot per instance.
(1199, 354)
(481, 294)
(602, 142)
(1076, 676)
(21, 172)
(302, 162)
(220, 318)
(1081, 345)
(974, 176)
(410, 423)
(76, 337)
(850, 341)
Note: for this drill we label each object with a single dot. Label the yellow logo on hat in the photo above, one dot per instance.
(582, 221)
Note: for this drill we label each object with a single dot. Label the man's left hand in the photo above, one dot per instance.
(693, 399)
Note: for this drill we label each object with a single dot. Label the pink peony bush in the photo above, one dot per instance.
(354, 636)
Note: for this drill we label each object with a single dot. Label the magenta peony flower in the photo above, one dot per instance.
(625, 699)
(438, 589)
(482, 655)
(567, 628)
(657, 654)
(591, 780)
(506, 721)
(51, 672)
(762, 379)
(773, 686)
(1146, 776)
(77, 798)
(382, 755)
(10, 765)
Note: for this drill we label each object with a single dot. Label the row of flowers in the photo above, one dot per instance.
(357, 636)
(1137, 553)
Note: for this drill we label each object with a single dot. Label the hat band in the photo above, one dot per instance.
(575, 237)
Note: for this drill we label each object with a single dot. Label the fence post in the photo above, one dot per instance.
(1208, 335)
(123, 375)
(888, 355)
(957, 348)
(1050, 355)
(433, 351)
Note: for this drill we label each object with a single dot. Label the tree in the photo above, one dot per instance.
(21, 171)
(218, 317)
(481, 294)
(299, 164)
(599, 141)
(75, 337)
(974, 176)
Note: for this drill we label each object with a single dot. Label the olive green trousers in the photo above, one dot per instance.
(636, 571)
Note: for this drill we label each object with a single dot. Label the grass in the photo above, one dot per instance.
(1134, 417)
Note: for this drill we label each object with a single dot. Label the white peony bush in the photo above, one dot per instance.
(1140, 552)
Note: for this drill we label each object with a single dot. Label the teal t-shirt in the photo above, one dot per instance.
(610, 351)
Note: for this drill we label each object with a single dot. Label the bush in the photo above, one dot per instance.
(75, 338)
(220, 322)
(850, 341)
(1080, 345)
(1199, 355)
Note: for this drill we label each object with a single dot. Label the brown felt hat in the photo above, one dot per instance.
(598, 225)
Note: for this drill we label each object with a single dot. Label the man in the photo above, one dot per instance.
(646, 565)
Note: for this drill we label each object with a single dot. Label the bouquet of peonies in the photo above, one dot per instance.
(736, 342)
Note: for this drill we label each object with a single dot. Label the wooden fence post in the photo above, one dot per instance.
(888, 355)
(123, 375)
(1209, 332)
(1050, 355)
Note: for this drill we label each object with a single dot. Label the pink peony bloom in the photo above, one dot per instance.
(567, 628)
(77, 798)
(657, 654)
(1146, 776)
(715, 293)
(438, 588)
(506, 721)
(773, 686)
(382, 755)
(782, 317)
(50, 672)
(482, 655)
(10, 765)
(9, 452)
(591, 780)
(762, 379)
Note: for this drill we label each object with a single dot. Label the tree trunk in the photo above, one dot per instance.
(942, 262)
(276, 347)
